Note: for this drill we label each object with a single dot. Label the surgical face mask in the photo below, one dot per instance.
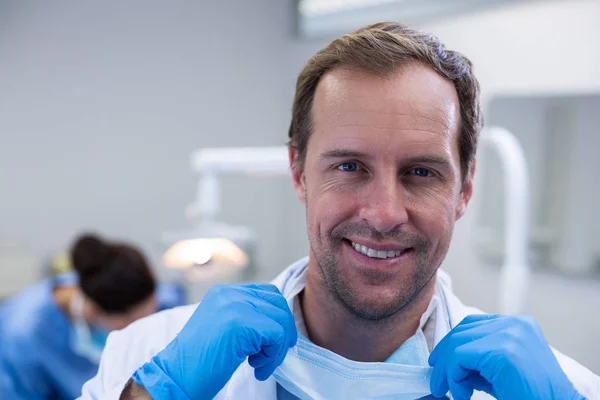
(87, 341)
(313, 373)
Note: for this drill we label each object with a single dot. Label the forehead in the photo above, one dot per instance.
(414, 104)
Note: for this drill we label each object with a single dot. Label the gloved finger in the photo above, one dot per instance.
(439, 381)
(267, 287)
(469, 319)
(278, 350)
(283, 317)
(279, 358)
(454, 370)
(275, 298)
(462, 390)
(446, 361)
(460, 385)
(256, 330)
(478, 356)
(270, 353)
(263, 373)
(272, 357)
(263, 358)
(476, 381)
(479, 383)
(462, 334)
(270, 338)
(271, 295)
(449, 374)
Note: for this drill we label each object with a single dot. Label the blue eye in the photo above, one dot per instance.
(422, 172)
(348, 167)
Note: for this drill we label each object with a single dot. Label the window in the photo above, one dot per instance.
(323, 18)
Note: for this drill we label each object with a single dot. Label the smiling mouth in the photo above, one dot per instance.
(378, 254)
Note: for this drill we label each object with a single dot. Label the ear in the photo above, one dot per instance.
(297, 174)
(467, 191)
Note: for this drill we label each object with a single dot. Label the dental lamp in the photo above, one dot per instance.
(222, 246)
(212, 249)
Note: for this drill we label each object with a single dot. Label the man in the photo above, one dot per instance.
(382, 152)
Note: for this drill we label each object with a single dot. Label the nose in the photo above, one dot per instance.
(384, 204)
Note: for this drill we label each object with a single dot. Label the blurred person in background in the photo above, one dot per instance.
(52, 333)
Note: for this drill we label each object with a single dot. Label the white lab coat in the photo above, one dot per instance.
(130, 348)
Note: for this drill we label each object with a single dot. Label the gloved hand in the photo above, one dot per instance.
(504, 356)
(231, 323)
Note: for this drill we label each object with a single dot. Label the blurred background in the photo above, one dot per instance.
(102, 105)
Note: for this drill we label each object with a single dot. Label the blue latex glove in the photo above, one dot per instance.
(230, 324)
(504, 356)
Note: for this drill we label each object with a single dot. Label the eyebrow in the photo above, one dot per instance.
(346, 153)
(437, 160)
(343, 153)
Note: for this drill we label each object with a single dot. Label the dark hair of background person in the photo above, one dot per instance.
(115, 276)
(382, 49)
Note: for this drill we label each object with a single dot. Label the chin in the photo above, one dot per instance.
(373, 303)
(373, 290)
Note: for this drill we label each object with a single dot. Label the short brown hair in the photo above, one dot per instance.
(380, 49)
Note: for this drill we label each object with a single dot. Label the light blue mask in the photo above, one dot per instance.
(87, 341)
(313, 373)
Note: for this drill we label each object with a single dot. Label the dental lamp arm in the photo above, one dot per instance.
(515, 272)
(210, 163)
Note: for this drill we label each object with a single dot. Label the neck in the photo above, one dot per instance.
(332, 326)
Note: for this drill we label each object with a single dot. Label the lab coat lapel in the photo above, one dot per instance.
(455, 310)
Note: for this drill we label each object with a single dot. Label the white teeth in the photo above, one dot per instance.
(375, 253)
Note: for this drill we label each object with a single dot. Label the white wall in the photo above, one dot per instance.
(535, 47)
(101, 104)
(560, 138)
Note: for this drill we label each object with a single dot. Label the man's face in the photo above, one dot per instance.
(382, 177)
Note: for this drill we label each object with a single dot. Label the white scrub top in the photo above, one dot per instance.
(130, 348)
